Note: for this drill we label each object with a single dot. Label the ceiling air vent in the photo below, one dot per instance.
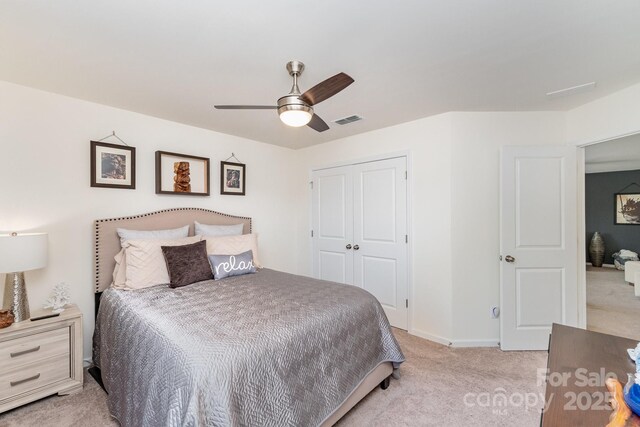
(347, 120)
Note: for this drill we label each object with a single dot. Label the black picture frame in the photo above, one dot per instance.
(198, 176)
(627, 209)
(116, 168)
(233, 178)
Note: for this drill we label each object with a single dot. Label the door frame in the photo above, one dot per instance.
(368, 159)
(582, 219)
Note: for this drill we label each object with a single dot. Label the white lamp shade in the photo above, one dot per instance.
(295, 118)
(23, 252)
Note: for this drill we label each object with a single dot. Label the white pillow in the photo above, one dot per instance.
(234, 245)
(120, 271)
(174, 233)
(145, 263)
(218, 230)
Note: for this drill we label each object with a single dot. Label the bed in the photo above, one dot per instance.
(268, 348)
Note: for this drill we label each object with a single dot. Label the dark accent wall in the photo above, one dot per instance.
(599, 203)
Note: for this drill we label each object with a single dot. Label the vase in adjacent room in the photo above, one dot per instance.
(596, 250)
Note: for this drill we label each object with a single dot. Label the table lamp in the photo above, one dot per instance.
(20, 253)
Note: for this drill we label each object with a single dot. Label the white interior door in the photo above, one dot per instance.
(380, 234)
(359, 232)
(332, 207)
(538, 244)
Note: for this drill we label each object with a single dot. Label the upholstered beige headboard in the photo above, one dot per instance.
(107, 243)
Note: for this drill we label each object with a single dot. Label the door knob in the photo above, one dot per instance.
(509, 258)
(348, 246)
(356, 247)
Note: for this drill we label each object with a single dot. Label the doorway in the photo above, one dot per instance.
(612, 177)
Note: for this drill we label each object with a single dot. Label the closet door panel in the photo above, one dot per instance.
(380, 228)
(332, 224)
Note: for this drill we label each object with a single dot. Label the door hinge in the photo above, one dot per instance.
(311, 184)
(311, 233)
(405, 175)
(406, 303)
(406, 238)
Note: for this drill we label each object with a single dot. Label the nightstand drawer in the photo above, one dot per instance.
(34, 375)
(32, 348)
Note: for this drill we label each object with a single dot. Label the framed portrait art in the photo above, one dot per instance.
(112, 165)
(627, 209)
(232, 178)
(181, 174)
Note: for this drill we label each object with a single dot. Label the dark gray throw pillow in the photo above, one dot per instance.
(232, 265)
(187, 264)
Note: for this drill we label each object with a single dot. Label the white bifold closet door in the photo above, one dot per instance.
(360, 231)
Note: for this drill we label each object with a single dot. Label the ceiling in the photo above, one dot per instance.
(410, 59)
(621, 154)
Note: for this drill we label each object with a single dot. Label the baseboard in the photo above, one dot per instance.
(475, 343)
(455, 343)
(604, 265)
(430, 337)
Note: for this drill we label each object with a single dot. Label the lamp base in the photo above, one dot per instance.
(15, 296)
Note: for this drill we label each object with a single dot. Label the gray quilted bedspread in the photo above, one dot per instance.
(264, 349)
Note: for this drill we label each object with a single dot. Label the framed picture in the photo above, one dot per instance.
(232, 178)
(627, 209)
(112, 165)
(181, 174)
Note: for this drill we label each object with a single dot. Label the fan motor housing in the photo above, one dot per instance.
(293, 102)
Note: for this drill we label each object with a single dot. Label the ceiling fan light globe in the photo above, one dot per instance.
(295, 117)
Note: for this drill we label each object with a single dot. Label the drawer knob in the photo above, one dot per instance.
(20, 353)
(15, 383)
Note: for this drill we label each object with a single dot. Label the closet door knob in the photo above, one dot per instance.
(356, 247)
(348, 246)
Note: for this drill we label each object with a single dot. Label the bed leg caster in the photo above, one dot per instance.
(385, 383)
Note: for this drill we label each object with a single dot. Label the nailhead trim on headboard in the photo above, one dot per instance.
(99, 221)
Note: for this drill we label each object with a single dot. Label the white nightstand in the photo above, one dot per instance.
(40, 358)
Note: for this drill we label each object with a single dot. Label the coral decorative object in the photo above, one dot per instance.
(59, 299)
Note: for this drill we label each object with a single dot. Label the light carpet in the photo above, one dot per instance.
(438, 385)
(612, 307)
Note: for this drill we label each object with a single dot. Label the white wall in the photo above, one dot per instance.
(475, 210)
(429, 142)
(455, 212)
(44, 183)
(611, 116)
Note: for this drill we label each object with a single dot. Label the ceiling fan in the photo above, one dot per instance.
(296, 109)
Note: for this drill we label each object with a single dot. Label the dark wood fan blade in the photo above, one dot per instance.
(318, 124)
(326, 89)
(245, 107)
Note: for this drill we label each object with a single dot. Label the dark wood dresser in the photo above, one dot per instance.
(578, 361)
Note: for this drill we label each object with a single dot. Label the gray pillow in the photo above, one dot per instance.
(217, 230)
(232, 265)
(174, 233)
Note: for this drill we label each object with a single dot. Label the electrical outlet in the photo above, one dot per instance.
(495, 312)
